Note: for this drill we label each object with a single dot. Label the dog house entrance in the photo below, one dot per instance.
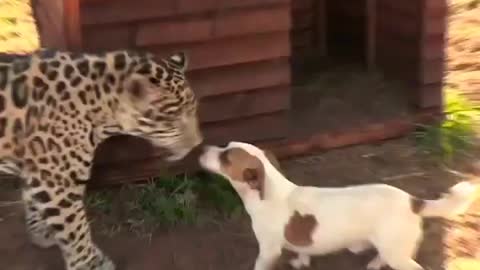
(335, 85)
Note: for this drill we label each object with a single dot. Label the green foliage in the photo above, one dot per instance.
(172, 201)
(456, 133)
(167, 201)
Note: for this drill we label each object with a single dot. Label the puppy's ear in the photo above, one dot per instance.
(250, 175)
(273, 159)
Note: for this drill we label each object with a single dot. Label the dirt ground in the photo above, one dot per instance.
(229, 244)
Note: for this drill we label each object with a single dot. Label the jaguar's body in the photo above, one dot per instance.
(56, 107)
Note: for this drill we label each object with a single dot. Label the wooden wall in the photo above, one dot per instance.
(409, 39)
(239, 54)
(411, 46)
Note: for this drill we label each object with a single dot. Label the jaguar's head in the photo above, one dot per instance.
(161, 106)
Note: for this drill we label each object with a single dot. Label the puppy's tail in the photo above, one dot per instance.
(455, 202)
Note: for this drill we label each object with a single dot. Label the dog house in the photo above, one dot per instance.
(263, 69)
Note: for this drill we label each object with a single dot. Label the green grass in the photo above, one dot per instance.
(456, 134)
(171, 201)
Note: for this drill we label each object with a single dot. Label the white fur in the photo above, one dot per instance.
(353, 217)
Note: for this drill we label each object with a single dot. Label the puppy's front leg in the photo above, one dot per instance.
(268, 255)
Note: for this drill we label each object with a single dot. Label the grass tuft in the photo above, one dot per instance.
(171, 201)
(456, 134)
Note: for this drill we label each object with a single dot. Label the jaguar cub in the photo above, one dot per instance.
(56, 107)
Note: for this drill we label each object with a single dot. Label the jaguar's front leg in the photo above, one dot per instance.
(60, 202)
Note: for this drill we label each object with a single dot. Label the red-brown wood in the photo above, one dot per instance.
(231, 51)
(111, 11)
(242, 77)
(257, 128)
(272, 125)
(303, 5)
(114, 174)
(248, 103)
(370, 133)
(107, 37)
(207, 27)
(371, 31)
(429, 95)
(50, 24)
(73, 31)
(321, 24)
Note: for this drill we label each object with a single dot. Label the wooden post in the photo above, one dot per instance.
(371, 30)
(58, 23)
(73, 33)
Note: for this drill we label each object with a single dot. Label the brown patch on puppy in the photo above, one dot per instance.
(243, 167)
(299, 229)
(417, 205)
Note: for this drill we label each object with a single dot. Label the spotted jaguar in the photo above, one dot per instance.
(56, 107)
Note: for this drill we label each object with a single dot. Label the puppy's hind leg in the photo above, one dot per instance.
(302, 260)
(397, 245)
(268, 255)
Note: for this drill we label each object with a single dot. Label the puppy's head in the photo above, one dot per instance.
(243, 165)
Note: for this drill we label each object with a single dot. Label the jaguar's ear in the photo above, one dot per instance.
(179, 60)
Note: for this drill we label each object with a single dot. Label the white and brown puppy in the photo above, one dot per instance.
(316, 221)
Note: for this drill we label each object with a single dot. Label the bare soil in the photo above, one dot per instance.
(229, 244)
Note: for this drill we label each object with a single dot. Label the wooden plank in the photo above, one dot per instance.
(410, 8)
(302, 5)
(371, 30)
(73, 31)
(248, 3)
(198, 28)
(129, 172)
(125, 11)
(433, 48)
(225, 24)
(129, 11)
(435, 26)
(349, 9)
(370, 133)
(432, 71)
(108, 37)
(243, 104)
(303, 39)
(429, 95)
(435, 9)
(256, 128)
(399, 25)
(251, 129)
(231, 51)
(320, 7)
(50, 23)
(261, 20)
(303, 20)
(232, 79)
